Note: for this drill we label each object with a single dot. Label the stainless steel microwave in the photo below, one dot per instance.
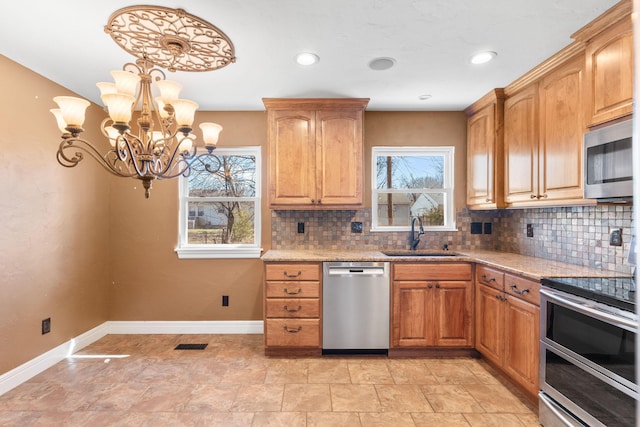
(608, 163)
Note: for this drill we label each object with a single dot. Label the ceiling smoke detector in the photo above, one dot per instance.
(380, 64)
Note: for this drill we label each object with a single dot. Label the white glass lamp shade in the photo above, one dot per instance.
(160, 105)
(106, 87)
(210, 133)
(126, 82)
(119, 106)
(169, 90)
(185, 111)
(59, 120)
(73, 110)
(113, 134)
(185, 143)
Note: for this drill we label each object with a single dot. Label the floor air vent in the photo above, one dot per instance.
(191, 347)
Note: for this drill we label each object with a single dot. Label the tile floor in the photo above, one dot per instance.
(232, 383)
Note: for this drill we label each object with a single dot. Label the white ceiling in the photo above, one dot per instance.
(431, 40)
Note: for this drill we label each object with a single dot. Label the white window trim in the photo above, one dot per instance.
(222, 251)
(448, 190)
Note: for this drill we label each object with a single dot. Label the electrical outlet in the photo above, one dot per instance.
(46, 325)
(488, 227)
(225, 300)
(529, 230)
(476, 228)
(615, 238)
(356, 227)
(301, 228)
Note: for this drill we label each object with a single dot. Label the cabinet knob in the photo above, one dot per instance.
(544, 196)
(533, 196)
(313, 200)
(437, 285)
(319, 201)
(429, 286)
(488, 200)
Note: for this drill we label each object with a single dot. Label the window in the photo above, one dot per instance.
(220, 211)
(412, 181)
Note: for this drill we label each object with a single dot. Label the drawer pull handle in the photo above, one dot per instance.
(288, 310)
(293, 276)
(515, 289)
(293, 331)
(486, 279)
(286, 291)
(500, 298)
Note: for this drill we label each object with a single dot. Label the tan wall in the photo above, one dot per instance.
(53, 225)
(149, 281)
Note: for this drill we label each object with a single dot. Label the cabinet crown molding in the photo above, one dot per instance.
(618, 12)
(315, 103)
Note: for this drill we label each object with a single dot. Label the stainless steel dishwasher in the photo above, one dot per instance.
(355, 307)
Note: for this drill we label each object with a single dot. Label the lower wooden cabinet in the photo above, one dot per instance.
(432, 305)
(508, 324)
(292, 307)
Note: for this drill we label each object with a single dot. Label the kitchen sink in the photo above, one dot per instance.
(423, 253)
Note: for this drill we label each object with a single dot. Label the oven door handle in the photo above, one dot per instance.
(589, 311)
(557, 412)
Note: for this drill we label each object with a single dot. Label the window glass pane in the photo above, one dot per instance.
(221, 222)
(397, 209)
(235, 176)
(410, 172)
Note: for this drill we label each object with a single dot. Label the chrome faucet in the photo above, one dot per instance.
(413, 241)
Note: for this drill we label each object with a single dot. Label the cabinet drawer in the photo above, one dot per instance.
(292, 289)
(522, 288)
(292, 332)
(490, 277)
(432, 271)
(292, 307)
(292, 271)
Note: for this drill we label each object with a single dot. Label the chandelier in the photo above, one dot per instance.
(160, 145)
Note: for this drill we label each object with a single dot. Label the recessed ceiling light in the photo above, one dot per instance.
(307, 58)
(380, 64)
(483, 57)
(424, 97)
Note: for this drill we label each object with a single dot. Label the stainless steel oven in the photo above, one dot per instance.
(587, 352)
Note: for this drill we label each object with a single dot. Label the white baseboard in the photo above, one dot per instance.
(30, 369)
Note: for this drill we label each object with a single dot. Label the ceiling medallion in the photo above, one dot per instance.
(170, 38)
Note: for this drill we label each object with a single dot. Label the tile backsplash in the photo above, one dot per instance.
(576, 235)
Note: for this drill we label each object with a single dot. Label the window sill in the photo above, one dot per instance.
(405, 229)
(218, 253)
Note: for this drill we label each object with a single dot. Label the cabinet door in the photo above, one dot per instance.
(292, 157)
(412, 316)
(481, 157)
(610, 73)
(522, 336)
(521, 145)
(561, 131)
(490, 323)
(339, 157)
(453, 308)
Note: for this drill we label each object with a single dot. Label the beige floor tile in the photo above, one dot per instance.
(333, 419)
(493, 420)
(163, 398)
(279, 419)
(118, 397)
(306, 398)
(226, 419)
(326, 371)
(439, 420)
(386, 419)
(354, 398)
(212, 398)
(287, 372)
(529, 420)
(410, 371)
(369, 372)
(450, 398)
(447, 372)
(496, 398)
(258, 397)
(402, 398)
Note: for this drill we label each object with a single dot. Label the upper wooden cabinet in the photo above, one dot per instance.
(485, 152)
(544, 126)
(315, 153)
(609, 65)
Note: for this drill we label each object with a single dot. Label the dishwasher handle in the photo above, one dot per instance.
(357, 271)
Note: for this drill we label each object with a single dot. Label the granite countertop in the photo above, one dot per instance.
(525, 266)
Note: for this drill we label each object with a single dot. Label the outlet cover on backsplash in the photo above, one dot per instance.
(356, 227)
